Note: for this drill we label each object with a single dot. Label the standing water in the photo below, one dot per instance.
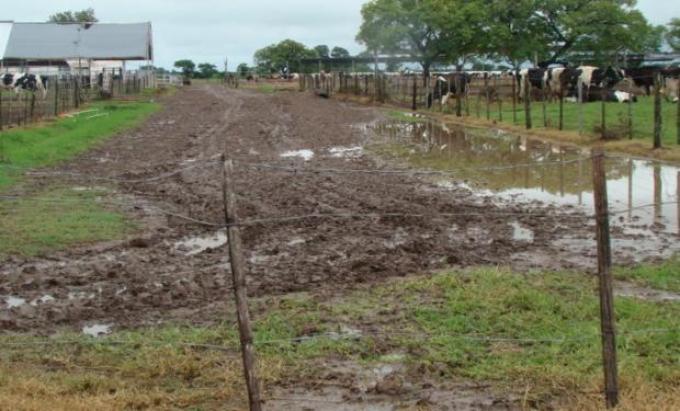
(643, 194)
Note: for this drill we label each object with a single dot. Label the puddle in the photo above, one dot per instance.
(642, 193)
(346, 152)
(196, 245)
(304, 154)
(296, 241)
(97, 330)
(520, 233)
(80, 295)
(14, 302)
(634, 291)
(42, 300)
(399, 238)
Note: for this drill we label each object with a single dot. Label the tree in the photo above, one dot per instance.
(188, 67)
(673, 34)
(601, 27)
(512, 31)
(243, 70)
(207, 70)
(427, 30)
(282, 58)
(339, 52)
(322, 51)
(82, 16)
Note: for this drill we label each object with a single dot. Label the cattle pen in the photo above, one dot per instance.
(497, 97)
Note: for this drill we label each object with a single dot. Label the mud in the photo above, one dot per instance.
(347, 386)
(175, 270)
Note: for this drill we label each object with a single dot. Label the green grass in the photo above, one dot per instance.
(50, 143)
(616, 117)
(56, 219)
(435, 325)
(665, 276)
(406, 116)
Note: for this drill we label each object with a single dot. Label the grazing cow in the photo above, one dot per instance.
(24, 82)
(643, 77)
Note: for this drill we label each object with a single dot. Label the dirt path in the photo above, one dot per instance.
(152, 279)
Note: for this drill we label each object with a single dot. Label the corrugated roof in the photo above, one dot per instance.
(51, 41)
(5, 29)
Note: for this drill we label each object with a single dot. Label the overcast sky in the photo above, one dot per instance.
(210, 30)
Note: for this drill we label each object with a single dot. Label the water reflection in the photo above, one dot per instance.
(558, 174)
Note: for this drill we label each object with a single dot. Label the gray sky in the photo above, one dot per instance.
(210, 30)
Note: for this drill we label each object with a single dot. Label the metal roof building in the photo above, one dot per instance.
(87, 41)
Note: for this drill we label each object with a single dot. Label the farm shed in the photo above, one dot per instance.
(43, 45)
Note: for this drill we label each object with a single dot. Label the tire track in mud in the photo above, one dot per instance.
(150, 279)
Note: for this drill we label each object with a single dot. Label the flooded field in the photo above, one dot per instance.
(643, 194)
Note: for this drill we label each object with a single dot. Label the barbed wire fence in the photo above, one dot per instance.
(502, 98)
(66, 93)
(248, 344)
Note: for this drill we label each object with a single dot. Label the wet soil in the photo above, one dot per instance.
(177, 270)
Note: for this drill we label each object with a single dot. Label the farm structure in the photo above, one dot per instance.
(75, 62)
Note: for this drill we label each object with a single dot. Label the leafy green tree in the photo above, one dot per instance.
(512, 31)
(82, 16)
(339, 52)
(427, 30)
(673, 34)
(322, 51)
(601, 27)
(207, 70)
(243, 70)
(287, 54)
(187, 67)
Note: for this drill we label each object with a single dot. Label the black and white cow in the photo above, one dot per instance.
(444, 89)
(24, 82)
(537, 78)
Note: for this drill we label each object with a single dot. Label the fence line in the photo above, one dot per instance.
(425, 93)
(66, 93)
(361, 334)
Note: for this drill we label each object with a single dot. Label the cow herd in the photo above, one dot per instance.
(596, 84)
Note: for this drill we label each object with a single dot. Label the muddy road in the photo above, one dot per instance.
(174, 269)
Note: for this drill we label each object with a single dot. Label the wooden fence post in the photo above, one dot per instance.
(527, 102)
(459, 102)
(414, 104)
(514, 98)
(544, 102)
(604, 262)
(240, 287)
(658, 121)
(603, 124)
(561, 125)
(32, 109)
(499, 98)
(56, 96)
(630, 118)
(580, 105)
(677, 117)
(486, 92)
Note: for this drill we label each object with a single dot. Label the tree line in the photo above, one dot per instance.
(459, 32)
(491, 33)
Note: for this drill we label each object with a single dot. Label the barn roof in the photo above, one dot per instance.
(98, 41)
(5, 29)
